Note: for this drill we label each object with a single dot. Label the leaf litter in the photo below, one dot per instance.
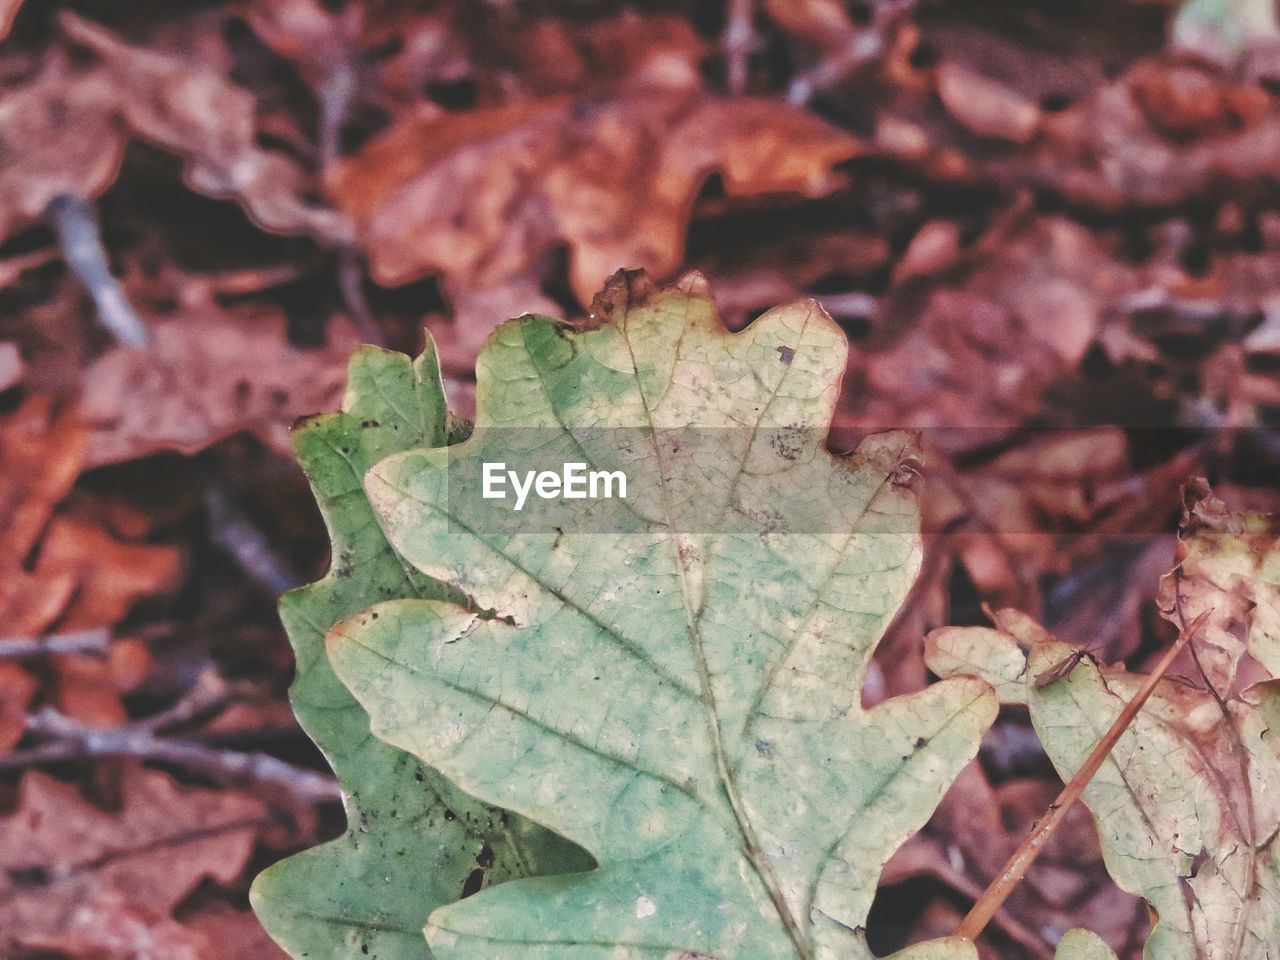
(1022, 219)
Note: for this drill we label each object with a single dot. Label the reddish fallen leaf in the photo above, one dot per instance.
(980, 349)
(188, 107)
(205, 377)
(8, 10)
(11, 367)
(1156, 137)
(17, 689)
(985, 106)
(480, 195)
(89, 688)
(110, 574)
(41, 454)
(87, 882)
(60, 135)
(82, 577)
(825, 24)
(553, 55)
(236, 934)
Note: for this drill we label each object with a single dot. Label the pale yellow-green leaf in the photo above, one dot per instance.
(982, 652)
(1083, 945)
(1187, 804)
(679, 693)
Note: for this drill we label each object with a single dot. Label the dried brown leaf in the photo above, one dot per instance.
(8, 10)
(60, 135)
(480, 195)
(192, 109)
(85, 881)
(207, 376)
(1228, 570)
(985, 106)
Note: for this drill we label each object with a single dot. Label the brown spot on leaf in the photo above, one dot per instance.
(622, 291)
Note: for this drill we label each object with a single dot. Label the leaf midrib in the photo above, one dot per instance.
(751, 843)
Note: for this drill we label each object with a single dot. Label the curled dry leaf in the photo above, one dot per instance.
(1229, 570)
(207, 376)
(479, 195)
(1188, 802)
(79, 880)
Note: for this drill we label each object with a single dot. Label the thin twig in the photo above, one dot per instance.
(864, 45)
(232, 529)
(209, 694)
(73, 741)
(75, 641)
(739, 40)
(336, 93)
(1011, 874)
(76, 225)
(351, 284)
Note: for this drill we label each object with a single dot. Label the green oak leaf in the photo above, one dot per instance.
(680, 694)
(414, 841)
(1083, 945)
(1188, 802)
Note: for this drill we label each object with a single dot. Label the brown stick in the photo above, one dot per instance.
(1017, 865)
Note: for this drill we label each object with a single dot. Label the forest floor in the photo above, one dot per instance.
(1051, 232)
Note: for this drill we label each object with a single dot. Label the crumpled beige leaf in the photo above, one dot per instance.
(1229, 568)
